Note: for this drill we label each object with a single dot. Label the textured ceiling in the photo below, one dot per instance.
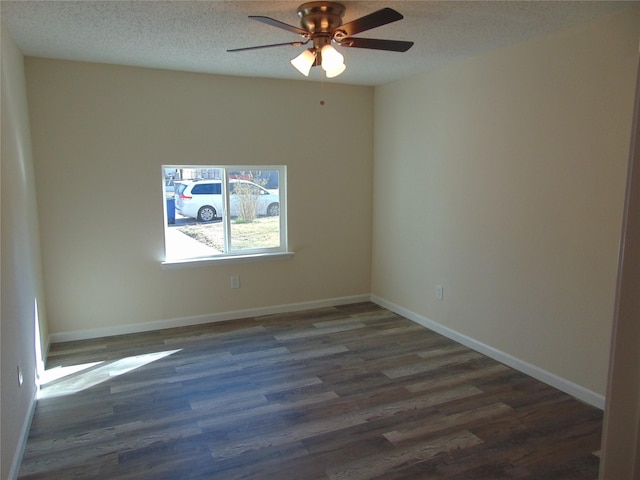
(194, 35)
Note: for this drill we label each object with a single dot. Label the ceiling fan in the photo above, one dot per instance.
(321, 24)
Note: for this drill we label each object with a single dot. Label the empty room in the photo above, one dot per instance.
(355, 240)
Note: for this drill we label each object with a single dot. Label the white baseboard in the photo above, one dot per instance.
(22, 440)
(201, 319)
(573, 389)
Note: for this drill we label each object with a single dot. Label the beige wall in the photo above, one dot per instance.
(100, 135)
(502, 178)
(21, 271)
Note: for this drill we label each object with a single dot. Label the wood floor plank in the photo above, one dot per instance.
(442, 360)
(366, 468)
(349, 392)
(455, 421)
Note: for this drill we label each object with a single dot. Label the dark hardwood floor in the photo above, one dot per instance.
(352, 392)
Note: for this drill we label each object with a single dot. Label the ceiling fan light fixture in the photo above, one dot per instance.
(332, 60)
(304, 61)
(336, 71)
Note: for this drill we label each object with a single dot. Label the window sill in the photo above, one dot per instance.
(223, 260)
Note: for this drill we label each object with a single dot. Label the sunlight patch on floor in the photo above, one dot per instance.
(61, 381)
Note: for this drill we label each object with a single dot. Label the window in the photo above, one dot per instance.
(224, 212)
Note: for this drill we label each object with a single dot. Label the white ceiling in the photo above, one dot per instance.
(194, 35)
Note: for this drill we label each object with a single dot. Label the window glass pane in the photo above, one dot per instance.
(255, 211)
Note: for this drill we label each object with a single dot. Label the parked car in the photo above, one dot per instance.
(202, 199)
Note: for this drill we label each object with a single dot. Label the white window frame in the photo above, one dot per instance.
(231, 255)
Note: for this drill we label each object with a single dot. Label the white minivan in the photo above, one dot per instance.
(202, 199)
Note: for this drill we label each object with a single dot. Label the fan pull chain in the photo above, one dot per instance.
(321, 90)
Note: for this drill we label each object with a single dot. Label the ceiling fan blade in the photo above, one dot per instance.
(376, 44)
(277, 23)
(290, 44)
(373, 20)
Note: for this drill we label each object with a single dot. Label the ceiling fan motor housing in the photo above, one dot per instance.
(321, 17)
